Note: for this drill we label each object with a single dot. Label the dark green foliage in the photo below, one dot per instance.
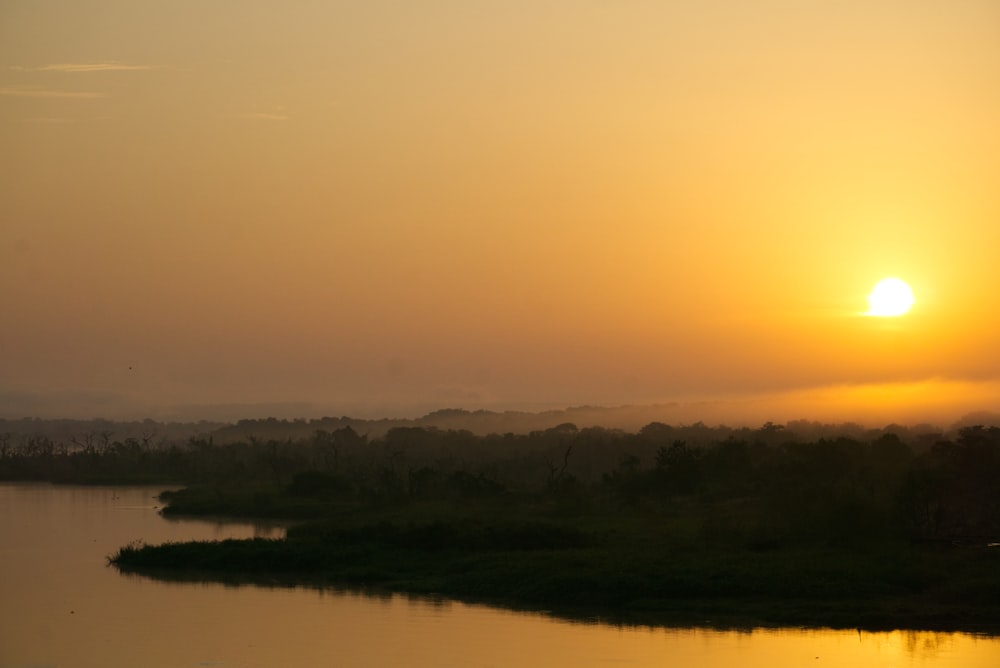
(761, 487)
(634, 567)
(463, 534)
(318, 484)
(953, 490)
(678, 469)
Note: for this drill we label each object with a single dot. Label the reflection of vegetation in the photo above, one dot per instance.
(925, 645)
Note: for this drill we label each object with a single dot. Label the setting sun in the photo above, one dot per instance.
(889, 298)
(509, 206)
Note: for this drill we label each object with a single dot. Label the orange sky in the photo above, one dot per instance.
(385, 207)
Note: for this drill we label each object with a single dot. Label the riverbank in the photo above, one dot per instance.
(633, 567)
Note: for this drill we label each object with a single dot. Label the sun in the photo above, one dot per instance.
(889, 298)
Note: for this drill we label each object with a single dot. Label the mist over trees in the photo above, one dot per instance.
(480, 422)
(758, 488)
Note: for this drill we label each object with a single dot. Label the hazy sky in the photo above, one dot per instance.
(385, 207)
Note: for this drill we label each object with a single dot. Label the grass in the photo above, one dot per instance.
(637, 567)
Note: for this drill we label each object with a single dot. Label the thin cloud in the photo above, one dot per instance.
(87, 67)
(51, 121)
(264, 117)
(45, 92)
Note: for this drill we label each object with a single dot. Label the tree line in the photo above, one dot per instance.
(759, 487)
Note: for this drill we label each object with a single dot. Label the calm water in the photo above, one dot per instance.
(60, 605)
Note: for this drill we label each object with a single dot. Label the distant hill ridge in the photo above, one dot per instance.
(479, 422)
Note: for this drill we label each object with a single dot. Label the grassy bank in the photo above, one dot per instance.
(671, 564)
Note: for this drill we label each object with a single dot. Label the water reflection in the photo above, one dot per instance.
(222, 526)
(539, 639)
(65, 607)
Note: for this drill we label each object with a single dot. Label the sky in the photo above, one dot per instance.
(381, 208)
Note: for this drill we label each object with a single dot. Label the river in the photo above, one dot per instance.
(61, 605)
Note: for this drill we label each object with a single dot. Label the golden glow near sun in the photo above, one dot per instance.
(534, 207)
(889, 298)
